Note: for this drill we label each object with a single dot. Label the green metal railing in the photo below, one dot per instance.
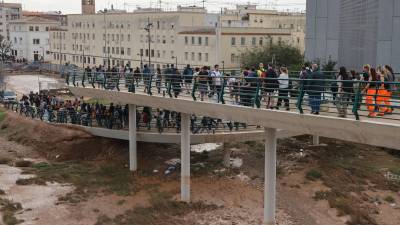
(317, 96)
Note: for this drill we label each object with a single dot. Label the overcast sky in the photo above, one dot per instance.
(73, 6)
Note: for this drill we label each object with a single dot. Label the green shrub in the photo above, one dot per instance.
(313, 174)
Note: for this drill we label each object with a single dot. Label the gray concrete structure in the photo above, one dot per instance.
(270, 177)
(354, 32)
(368, 131)
(185, 158)
(132, 138)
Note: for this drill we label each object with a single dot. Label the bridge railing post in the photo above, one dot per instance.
(300, 98)
(270, 177)
(357, 102)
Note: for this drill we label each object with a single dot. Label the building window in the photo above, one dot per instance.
(122, 51)
(172, 40)
(36, 28)
(129, 37)
(192, 56)
(243, 41)
(152, 53)
(47, 28)
(233, 58)
(206, 41)
(261, 41)
(129, 51)
(186, 56)
(193, 40)
(200, 41)
(186, 40)
(36, 41)
(200, 57)
(253, 41)
(30, 28)
(206, 57)
(233, 41)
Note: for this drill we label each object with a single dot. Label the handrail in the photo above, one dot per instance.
(381, 99)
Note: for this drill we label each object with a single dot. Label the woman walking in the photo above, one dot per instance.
(283, 80)
(371, 90)
(345, 89)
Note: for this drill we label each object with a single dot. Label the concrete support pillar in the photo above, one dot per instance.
(185, 157)
(315, 140)
(132, 138)
(270, 176)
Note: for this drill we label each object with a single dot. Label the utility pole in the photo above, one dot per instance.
(176, 61)
(106, 52)
(60, 18)
(148, 28)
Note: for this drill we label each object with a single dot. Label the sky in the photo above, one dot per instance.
(73, 6)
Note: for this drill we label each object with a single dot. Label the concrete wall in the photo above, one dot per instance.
(322, 33)
(354, 32)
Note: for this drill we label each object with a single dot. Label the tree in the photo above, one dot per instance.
(5, 48)
(278, 54)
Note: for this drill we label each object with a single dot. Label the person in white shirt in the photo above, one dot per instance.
(283, 80)
(217, 80)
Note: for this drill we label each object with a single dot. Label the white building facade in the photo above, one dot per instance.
(30, 38)
(8, 13)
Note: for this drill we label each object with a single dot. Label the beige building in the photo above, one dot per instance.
(188, 35)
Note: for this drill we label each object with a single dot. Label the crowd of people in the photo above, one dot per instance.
(51, 108)
(265, 85)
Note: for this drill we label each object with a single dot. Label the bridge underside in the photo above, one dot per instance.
(175, 138)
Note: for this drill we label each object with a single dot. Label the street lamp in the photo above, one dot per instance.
(106, 51)
(176, 61)
(148, 28)
(223, 67)
(141, 60)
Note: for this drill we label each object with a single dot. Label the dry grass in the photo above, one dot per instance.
(8, 210)
(163, 210)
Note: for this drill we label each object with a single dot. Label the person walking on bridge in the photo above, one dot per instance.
(345, 89)
(188, 77)
(371, 90)
(315, 87)
(283, 80)
(147, 76)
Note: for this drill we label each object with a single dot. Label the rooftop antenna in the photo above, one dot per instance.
(204, 1)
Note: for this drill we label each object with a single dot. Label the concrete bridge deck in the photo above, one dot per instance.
(378, 132)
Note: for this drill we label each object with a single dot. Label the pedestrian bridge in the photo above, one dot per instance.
(246, 101)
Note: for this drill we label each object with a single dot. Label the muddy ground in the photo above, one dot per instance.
(56, 175)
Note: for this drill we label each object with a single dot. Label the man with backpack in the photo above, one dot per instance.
(270, 84)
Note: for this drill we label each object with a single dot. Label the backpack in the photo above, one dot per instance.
(347, 85)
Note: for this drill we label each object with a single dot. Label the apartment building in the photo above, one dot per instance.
(30, 38)
(188, 35)
(8, 13)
